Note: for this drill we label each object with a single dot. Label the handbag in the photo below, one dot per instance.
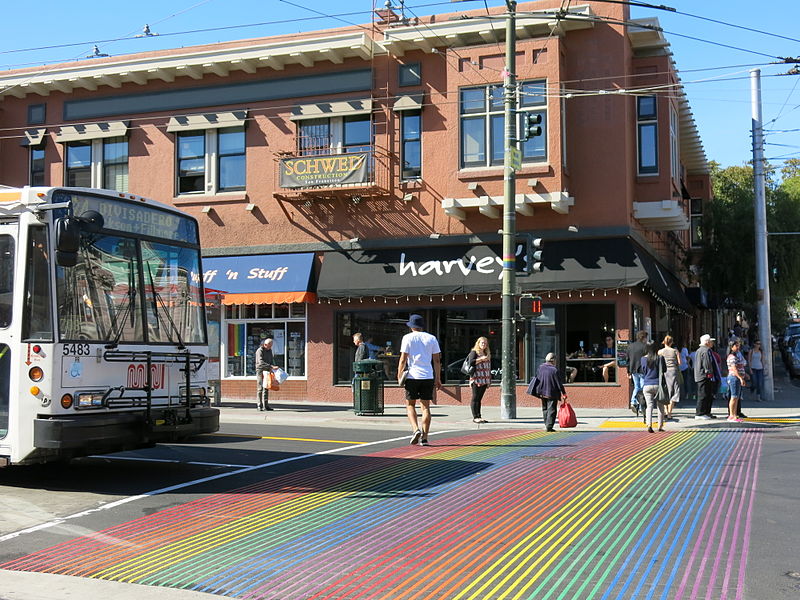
(467, 368)
(533, 387)
(280, 375)
(273, 382)
(662, 396)
(566, 416)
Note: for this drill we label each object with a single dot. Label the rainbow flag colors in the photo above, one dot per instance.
(497, 514)
(236, 337)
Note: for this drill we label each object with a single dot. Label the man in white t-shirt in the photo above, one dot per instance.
(420, 354)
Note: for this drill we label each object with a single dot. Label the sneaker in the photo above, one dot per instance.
(416, 437)
(424, 442)
(702, 417)
(710, 416)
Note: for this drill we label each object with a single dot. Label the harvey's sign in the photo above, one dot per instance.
(412, 271)
(309, 171)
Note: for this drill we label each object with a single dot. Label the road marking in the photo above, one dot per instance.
(610, 423)
(167, 460)
(293, 439)
(179, 486)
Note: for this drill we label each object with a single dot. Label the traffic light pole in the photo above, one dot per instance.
(508, 399)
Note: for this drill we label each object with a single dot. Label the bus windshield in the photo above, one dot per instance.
(131, 290)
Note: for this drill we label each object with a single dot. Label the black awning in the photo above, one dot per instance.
(440, 270)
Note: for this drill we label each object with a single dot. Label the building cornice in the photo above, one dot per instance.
(193, 63)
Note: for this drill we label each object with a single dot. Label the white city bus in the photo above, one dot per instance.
(103, 341)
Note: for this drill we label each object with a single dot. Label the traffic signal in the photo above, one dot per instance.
(531, 125)
(534, 262)
(530, 306)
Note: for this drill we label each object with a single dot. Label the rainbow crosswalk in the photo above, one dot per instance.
(500, 514)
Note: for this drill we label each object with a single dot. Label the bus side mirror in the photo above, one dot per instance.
(67, 241)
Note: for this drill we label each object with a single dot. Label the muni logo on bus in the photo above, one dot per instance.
(137, 376)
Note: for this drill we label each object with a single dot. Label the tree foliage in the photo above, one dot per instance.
(728, 260)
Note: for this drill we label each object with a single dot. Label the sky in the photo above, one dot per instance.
(716, 43)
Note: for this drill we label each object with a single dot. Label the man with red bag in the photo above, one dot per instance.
(549, 389)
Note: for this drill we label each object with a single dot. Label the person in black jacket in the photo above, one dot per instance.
(549, 388)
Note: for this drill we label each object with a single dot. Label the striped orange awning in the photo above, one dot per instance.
(268, 298)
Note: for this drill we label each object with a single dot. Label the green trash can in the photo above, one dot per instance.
(368, 387)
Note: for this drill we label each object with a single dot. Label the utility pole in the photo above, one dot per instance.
(508, 399)
(762, 258)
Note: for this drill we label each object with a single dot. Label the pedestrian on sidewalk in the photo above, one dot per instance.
(755, 359)
(264, 366)
(736, 380)
(705, 377)
(653, 366)
(550, 388)
(421, 357)
(480, 359)
(687, 373)
(635, 353)
(672, 359)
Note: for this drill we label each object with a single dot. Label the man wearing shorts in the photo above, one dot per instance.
(420, 354)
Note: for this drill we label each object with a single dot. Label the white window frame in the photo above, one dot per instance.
(649, 122)
(31, 150)
(489, 112)
(336, 143)
(404, 115)
(674, 148)
(97, 163)
(210, 162)
(261, 314)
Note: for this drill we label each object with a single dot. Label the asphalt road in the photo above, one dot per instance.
(338, 512)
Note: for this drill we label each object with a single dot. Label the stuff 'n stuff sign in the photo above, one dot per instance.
(309, 171)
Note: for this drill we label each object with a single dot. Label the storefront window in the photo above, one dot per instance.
(589, 357)
(456, 329)
(381, 330)
(244, 335)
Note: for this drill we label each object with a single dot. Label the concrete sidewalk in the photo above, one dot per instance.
(529, 414)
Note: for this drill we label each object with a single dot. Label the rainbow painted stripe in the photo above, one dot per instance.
(501, 514)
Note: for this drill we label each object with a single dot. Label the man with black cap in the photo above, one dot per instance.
(421, 356)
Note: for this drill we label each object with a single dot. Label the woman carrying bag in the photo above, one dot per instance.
(480, 378)
(653, 367)
(672, 374)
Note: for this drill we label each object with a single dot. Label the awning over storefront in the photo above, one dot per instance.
(260, 279)
(611, 263)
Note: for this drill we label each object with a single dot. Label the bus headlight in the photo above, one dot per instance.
(90, 400)
(36, 374)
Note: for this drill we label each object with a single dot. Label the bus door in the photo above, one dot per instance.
(8, 253)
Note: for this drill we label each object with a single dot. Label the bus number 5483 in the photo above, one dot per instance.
(76, 349)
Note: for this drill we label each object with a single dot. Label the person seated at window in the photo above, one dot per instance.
(608, 351)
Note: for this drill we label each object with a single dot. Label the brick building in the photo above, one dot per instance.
(346, 178)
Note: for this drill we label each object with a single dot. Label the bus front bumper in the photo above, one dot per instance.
(109, 432)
